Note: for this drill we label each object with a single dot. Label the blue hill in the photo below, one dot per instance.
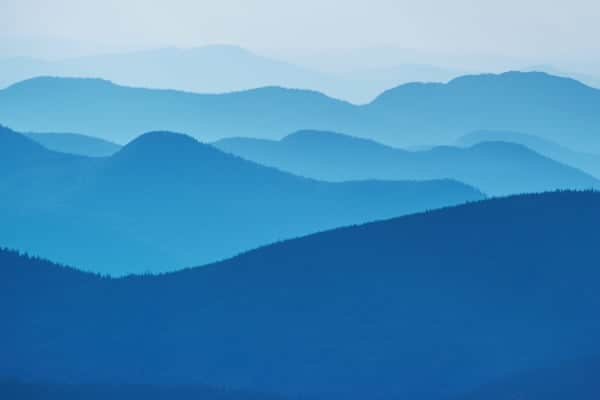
(557, 109)
(497, 168)
(219, 69)
(120, 113)
(166, 201)
(587, 162)
(428, 307)
(73, 143)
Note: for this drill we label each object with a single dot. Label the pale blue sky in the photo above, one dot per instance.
(536, 31)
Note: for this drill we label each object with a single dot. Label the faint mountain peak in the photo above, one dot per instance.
(501, 145)
(328, 138)
(308, 134)
(280, 93)
(526, 78)
(515, 80)
(485, 135)
(57, 83)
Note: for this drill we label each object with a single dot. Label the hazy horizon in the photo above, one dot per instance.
(463, 34)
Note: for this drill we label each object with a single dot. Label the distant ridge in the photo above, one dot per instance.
(497, 168)
(557, 109)
(218, 69)
(587, 162)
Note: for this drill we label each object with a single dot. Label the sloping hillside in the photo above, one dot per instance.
(166, 201)
(427, 306)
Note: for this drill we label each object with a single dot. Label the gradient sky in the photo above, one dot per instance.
(535, 30)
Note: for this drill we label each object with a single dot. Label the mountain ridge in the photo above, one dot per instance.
(414, 114)
(588, 162)
(497, 168)
(223, 68)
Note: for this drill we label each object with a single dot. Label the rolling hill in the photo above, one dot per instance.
(497, 168)
(74, 143)
(426, 307)
(557, 109)
(219, 69)
(119, 114)
(166, 201)
(554, 108)
(587, 162)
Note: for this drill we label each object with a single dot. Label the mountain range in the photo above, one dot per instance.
(219, 69)
(495, 162)
(557, 109)
(430, 306)
(497, 168)
(166, 201)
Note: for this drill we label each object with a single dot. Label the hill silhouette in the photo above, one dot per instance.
(557, 109)
(73, 143)
(218, 69)
(497, 168)
(120, 113)
(427, 306)
(587, 162)
(166, 201)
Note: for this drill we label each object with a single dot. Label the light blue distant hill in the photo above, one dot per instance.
(553, 108)
(219, 69)
(587, 162)
(497, 168)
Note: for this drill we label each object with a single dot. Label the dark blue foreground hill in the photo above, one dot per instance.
(425, 307)
(166, 201)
